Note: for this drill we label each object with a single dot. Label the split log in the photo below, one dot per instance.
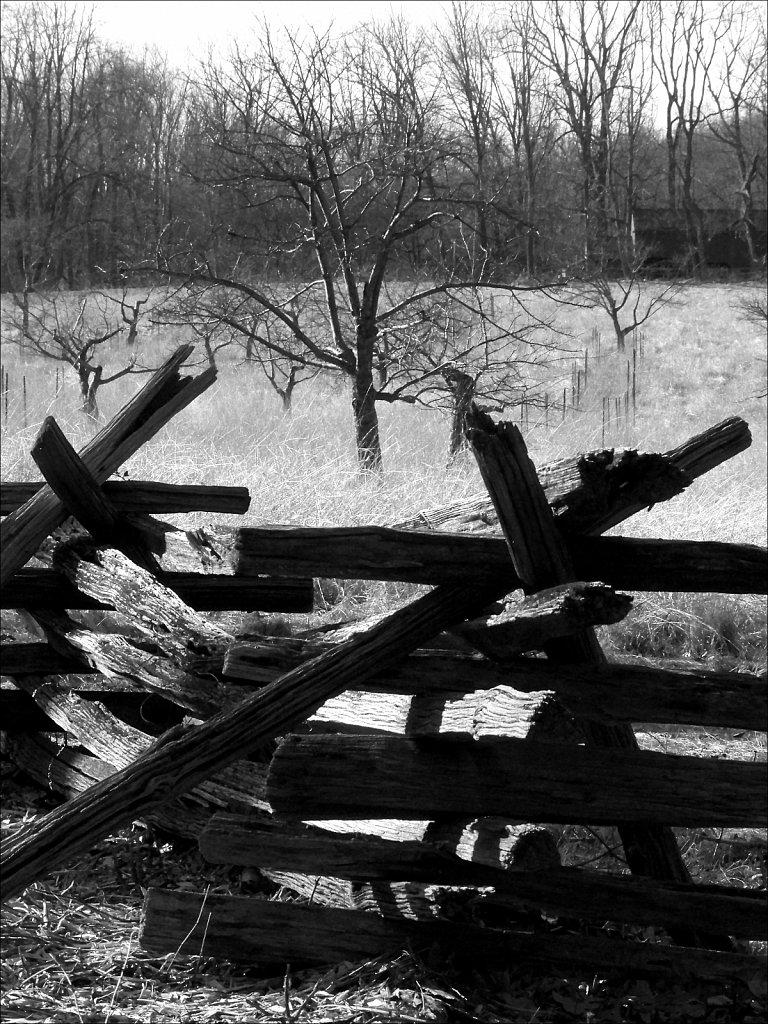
(289, 850)
(239, 785)
(532, 623)
(541, 559)
(114, 655)
(177, 764)
(42, 588)
(405, 901)
(570, 893)
(145, 711)
(383, 553)
(81, 495)
(589, 492)
(606, 692)
(70, 772)
(456, 853)
(263, 931)
(498, 712)
(396, 777)
(165, 393)
(146, 496)
(490, 840)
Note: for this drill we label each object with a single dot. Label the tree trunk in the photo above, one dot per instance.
(364, 401)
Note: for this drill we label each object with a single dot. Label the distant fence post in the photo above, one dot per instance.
(24, 397)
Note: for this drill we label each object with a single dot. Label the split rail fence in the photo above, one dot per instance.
(403, 773)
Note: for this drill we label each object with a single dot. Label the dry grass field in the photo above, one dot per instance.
(70, 949)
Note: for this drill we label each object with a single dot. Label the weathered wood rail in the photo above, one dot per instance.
(415, 767)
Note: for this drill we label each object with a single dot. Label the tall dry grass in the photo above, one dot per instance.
(701, 360)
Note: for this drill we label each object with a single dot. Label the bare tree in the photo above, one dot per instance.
(340, 142)
(75, 332)
(587, 46)
(524, 109)
(686, 37)
(737, 87)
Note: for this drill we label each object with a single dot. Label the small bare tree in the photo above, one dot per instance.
(73, 331)
(625, 298)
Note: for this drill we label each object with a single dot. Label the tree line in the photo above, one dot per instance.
(350, 201)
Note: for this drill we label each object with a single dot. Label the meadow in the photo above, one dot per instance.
(71, 952)
(697, 361)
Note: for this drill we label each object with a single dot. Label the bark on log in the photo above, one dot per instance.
(496, 842)
(532, 623)
(567, 892)
(541, 559)
(71, 772)
(241, 784)
(608, 693)
(178, 764)
(148, 712)
(383, 553)
(588, 492)
(114, 655)
(42, 588)
(166, 393)
(81, 495)
(458, 853)
(270, 932)
(396, 777)
(577, 894)
(146, 496)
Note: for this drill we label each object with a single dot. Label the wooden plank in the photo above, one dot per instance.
(589, 492)
(395, 777)
(410, 556)
(608, 692)
(146, 496)
(612, 693)
(100, 732)
(271, 932)
(165, 393)
(571, 892)
(19, 713)
(71, 481)
(42, 588)
(179, 763)
(439, 851)
(70, 772)
(542, 559)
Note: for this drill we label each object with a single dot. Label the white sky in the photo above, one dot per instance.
(183, 27)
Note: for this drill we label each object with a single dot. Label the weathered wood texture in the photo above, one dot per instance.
(153, 714)
(460, 853)
(241, 784)
(499, 712)
(530, 624)
(269, 932)
(591, 492)
(81, 495)
(250, 841)
(174, 767)
(114, 655)
(146, 496)
(608, 692)
(396, 777)
(496, 842)
(42, 588)
(70, 772)
(383, 553)
(166, 393)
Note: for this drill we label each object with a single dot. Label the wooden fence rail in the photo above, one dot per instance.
(431, 777)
